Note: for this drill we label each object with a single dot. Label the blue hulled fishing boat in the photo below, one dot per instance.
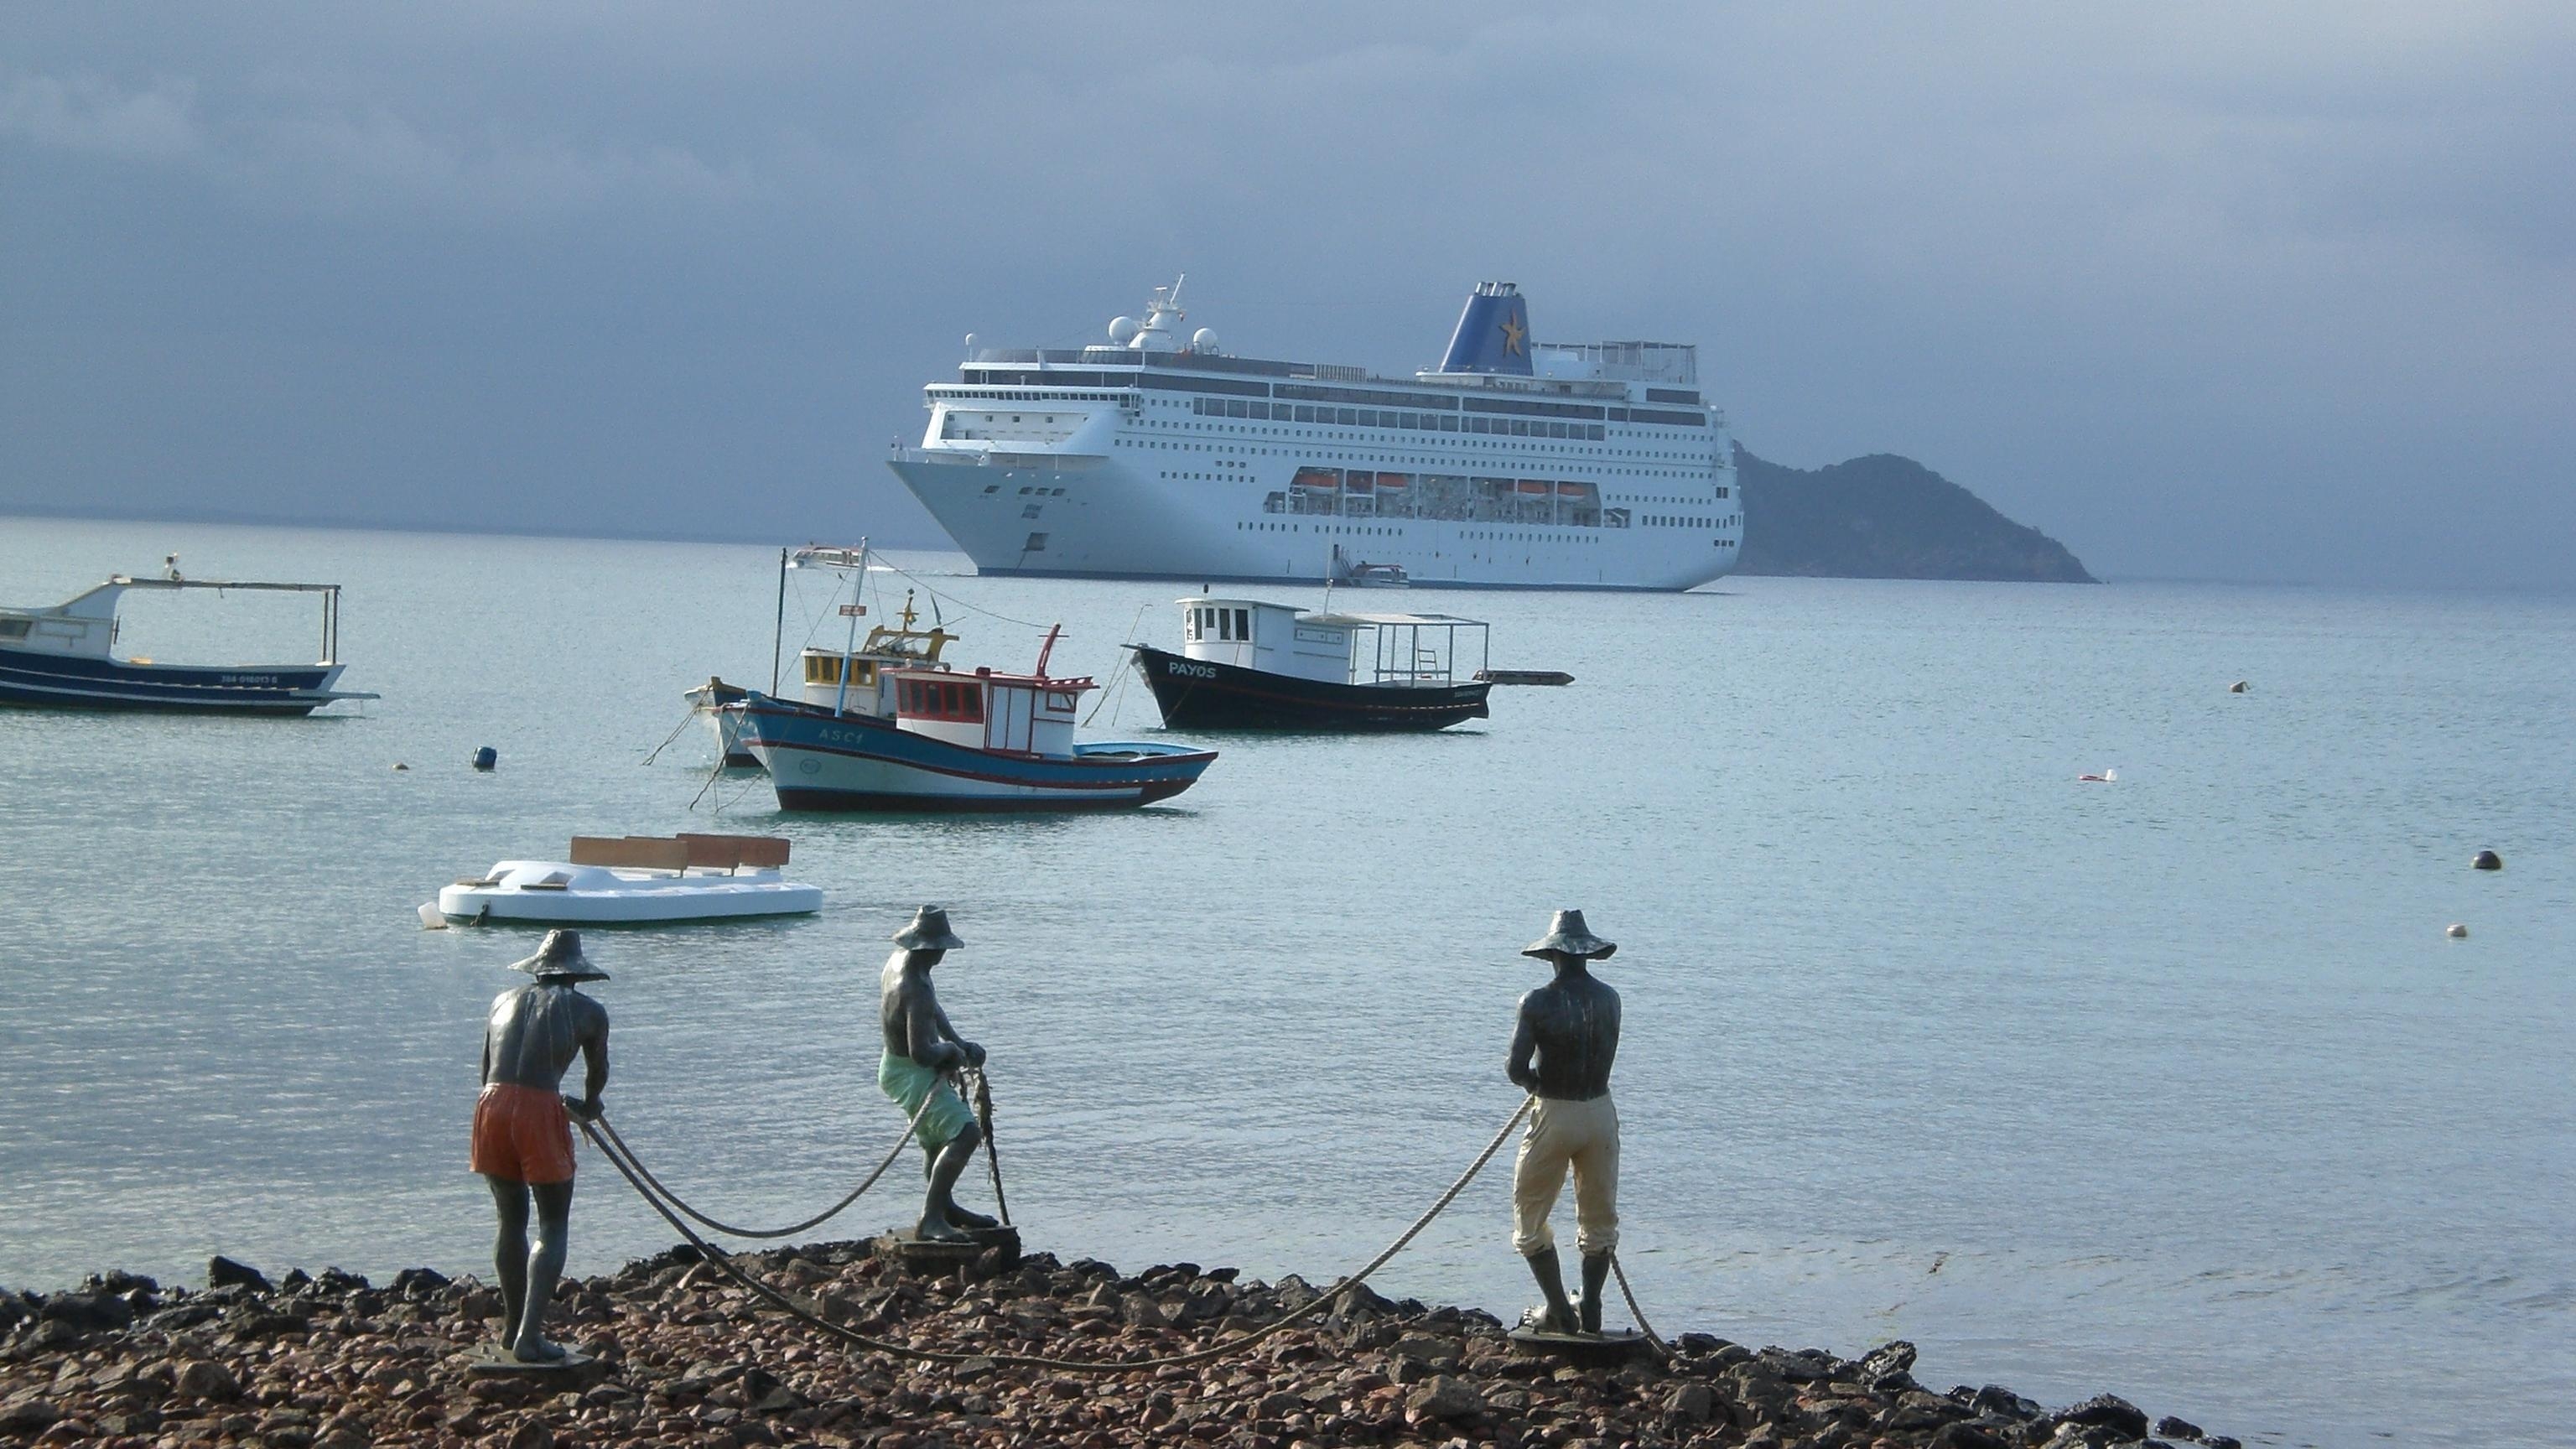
(955, 740)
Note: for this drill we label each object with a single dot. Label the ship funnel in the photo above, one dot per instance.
(1493, 333)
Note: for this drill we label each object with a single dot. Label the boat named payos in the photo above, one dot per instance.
(956, 740)
(1246, 664)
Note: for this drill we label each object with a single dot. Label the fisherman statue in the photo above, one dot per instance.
(922, 1051)
(1561, 1054)
(523, 1130)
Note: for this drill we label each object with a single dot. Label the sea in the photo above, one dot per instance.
(2170, 1085)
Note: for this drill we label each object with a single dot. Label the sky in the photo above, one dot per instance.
(2247, 292)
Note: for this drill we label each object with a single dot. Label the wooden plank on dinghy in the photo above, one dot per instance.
(634, 852)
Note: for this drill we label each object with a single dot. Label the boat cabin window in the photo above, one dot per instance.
(13, 628)
(1243, 624)
(1225, 623)
(942, 700)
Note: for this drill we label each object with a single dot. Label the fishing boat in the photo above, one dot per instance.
(839, 679)
(955, 740)
(65, 657)
(636, 880)
(1247, 664)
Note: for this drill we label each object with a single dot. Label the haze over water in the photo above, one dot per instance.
(2170, 1087)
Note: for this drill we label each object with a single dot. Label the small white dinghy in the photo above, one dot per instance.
(636, 880)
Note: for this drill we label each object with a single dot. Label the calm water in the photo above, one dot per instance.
(2171, 1087)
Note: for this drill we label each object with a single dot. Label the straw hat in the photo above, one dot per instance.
(559, 958)
(928, 932)
(1568, 935)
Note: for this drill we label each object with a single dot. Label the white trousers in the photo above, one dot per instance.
(1563, 1134)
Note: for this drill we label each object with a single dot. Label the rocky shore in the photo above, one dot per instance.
(333, 1362)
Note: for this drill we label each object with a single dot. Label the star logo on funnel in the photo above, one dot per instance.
(1513, 332)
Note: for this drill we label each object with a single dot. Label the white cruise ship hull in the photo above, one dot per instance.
(1111, 522)
(1514, 464)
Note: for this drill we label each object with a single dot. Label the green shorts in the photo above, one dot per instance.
(910, 1084)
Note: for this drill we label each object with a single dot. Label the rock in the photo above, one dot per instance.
(2170, 1427)
(88, 1312)
(1428, 1348)
(1142, 1312)
(28, 1414)
(1887, 1362)
(205, 1379)
(1692, 1403)
(2004, 1403)
(1961, 1434)
(418, 1282)
(1445, 1397)
(533, 1434)
(2109, 1411)
(223, 1272)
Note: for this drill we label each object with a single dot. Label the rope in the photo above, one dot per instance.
(729, 1229)
(673, 735)
(1662, 1349)
(1222, 1349)
(953, 599)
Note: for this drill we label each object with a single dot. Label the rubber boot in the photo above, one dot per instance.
(1596, 1273)
(1559, 1317)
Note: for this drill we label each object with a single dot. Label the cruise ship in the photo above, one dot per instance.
(1513, 464)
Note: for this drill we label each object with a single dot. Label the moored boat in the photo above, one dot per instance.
(846, 678)
(64, 658)
(637, 880)
(955, 740)
(1247, 664)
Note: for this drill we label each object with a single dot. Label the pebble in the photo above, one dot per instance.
(331, 1361)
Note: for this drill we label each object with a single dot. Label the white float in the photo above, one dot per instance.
(637, 880)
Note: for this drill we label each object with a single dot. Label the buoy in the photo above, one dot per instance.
(2457, 932)
(2237, 688)
(430, 918)
(486, 757)
(399, 765)
(2486, 860)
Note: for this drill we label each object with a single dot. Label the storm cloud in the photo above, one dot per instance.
(2221, 291)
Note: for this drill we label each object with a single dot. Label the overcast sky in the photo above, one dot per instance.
(2218, 291)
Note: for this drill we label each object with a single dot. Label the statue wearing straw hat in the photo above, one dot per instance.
(523, 1130)
(921, 1051)
(1561, 1054)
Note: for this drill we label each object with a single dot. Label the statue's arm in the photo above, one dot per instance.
(1524, 1050)
(594, 1055)
(974, 1053)
(921, 1039)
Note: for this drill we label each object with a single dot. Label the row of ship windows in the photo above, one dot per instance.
(1235, 407)
(1708, 459)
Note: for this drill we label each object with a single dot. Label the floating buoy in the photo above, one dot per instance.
(2237, 688)
(2457, 932)
(2486, 860)
(486, 757)
(399, 765)
(430, 919)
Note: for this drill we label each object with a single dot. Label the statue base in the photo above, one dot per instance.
(488, 1360)
(906, 1246)
(1604, 1349)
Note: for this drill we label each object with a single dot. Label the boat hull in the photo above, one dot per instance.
(1202, 694)
(715, 703)
(819, 760)
(37, 680)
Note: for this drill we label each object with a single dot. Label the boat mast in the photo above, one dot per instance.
(856, 607)
(778, 636)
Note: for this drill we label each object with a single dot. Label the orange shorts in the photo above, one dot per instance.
(522, 1134)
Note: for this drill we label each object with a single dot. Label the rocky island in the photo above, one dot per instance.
(686, 1356)
(1886, 517)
